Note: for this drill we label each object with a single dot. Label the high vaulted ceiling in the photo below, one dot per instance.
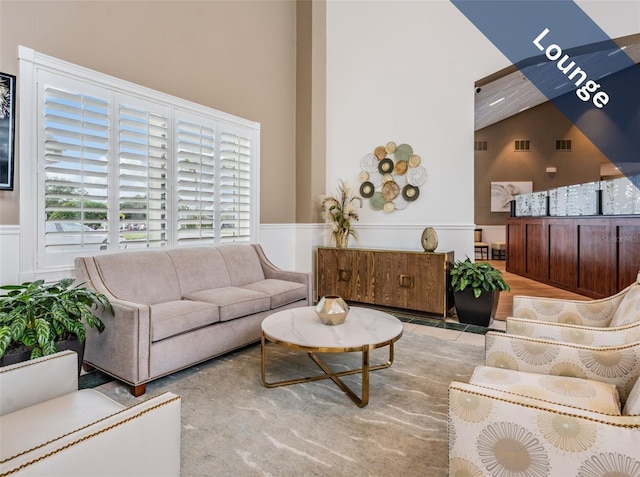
(519, 92)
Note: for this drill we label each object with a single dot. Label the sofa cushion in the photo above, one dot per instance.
(143, 277)
(40, 423)
(243, 264)
(179, 316)
(199, 268)
(568, 391)
(629, 308)
(281, 292)
(233, 302)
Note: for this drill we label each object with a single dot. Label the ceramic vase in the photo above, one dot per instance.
(342, 238)
(332, 310)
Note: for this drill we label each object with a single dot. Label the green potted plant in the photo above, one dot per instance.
(476, 290)
(39, 319)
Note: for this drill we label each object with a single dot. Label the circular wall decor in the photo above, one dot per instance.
(391, 176)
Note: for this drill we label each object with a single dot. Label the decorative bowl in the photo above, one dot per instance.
(332, 310)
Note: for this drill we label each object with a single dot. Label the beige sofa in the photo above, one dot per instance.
(175, 308)
(49, 428)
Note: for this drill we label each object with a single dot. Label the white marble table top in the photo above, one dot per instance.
(302, 327)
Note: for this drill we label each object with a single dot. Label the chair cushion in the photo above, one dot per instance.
(233, 302)
(179, 316)
(568, 391)
(281, 292)
(632, 406)
(629, 309)
(40, 423)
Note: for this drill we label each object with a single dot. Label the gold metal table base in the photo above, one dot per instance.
(328, 373)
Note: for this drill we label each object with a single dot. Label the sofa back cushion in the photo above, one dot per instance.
(199, 268)
(143, 277)
(629, 309)
(243, 264)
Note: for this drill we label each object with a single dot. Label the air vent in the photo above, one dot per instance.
(480, 146)
(563, 145)
(522, 145)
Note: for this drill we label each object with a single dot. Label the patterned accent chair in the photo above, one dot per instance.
(609, 321)
(543, 407)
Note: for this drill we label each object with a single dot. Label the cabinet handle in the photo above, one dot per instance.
(344, 275)
(405, 281)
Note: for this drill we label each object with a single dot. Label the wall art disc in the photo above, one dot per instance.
(377, 201)
(369, 163)
(400, 202)
(416, 176)
(380, 152)
(385, 166)
(410, 192)
(403, 152)
(390, 147)
(375, 178)
(367, 189)
(401, 167)
(390, 190)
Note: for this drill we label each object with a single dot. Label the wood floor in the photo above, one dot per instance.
(524, 286)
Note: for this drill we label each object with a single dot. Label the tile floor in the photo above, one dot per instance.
(450, 329)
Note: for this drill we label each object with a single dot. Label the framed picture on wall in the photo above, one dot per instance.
(502, 193)
(7, 129)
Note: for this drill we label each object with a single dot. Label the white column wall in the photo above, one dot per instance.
(405, 72)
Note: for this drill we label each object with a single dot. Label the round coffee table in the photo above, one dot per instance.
(300, 329)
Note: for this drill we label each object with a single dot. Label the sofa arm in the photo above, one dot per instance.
(123, 349)
(271, 271)
(569, 333)
(608, 364)
(141, 440)
(535, 437)
(37, 380)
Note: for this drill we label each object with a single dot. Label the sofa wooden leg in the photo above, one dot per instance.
(87, 367)
(138, 390)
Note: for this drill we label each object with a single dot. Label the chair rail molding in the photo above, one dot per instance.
(287, 245)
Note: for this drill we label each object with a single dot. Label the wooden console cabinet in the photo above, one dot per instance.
(593, 256)
(399, 279)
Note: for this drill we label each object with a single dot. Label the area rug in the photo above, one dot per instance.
(234, 426)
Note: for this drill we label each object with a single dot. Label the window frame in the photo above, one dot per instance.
(33, 263)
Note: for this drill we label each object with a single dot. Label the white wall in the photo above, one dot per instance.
(405, 72)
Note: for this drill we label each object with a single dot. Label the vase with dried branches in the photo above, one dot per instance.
(339, 211)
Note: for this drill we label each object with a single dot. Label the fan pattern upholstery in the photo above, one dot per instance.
(618, 365)
(541, 408)
(619, 309)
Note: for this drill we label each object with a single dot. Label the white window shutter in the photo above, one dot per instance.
(76, 149)
(195, 181)
(235, 185)
(143, 177)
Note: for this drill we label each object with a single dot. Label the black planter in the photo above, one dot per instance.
(19, 355)
(476, 311)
